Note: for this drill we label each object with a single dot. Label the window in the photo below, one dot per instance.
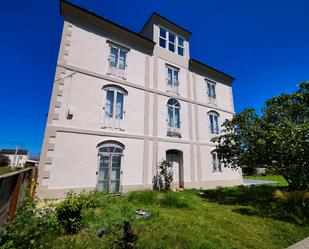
(173, 119)
(114, 107)
(109, 173)
(117, 61)
(216, 165)
(211, 89)
(171, 41)
(172, 79)
(117, 58)
(213, 122)
(180, 46)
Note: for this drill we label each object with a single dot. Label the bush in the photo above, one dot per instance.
(69, 211)
(31, 228)
(295, 203)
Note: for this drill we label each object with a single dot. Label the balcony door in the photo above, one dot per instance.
(109, 174)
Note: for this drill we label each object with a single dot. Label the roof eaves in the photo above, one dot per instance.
(165, 19)
(104, 19)
(214, 69)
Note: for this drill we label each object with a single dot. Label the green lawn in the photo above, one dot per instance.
(237, 217)
(279, 179)
(4, 170)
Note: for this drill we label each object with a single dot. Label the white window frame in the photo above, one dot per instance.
(216, 164)
(211, 89)
(115, 69)
(216, 129)
(173, 131)
(174, 86)
(113, 122)
(175, 43)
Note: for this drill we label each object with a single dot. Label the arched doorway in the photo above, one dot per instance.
(175, 157)
(110, 154)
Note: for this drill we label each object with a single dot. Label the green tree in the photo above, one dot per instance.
(277, 140)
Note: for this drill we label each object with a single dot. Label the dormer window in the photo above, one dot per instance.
(171, 41)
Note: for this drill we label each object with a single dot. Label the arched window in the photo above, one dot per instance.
(216, 165)
(173, 110)
(114, 106)
(213, 122)
(109, 172)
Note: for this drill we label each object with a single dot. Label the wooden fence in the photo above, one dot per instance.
(14, 187)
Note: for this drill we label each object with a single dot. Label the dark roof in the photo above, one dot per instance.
(64, 3)
(155, 15)
(202, 66)
(12, 152)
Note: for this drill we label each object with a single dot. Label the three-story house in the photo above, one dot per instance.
(124, 101)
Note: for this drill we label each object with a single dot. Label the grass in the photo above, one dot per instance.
(5, 170)
(277, 178)
(237, 217)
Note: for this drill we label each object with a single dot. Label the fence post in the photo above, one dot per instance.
(14, 198)
(32, 182)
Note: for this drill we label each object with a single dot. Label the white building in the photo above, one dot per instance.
(124, 101)
(17, 157)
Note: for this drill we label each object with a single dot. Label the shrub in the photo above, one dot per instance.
(69, 212)
(295, 204)
(31, 228)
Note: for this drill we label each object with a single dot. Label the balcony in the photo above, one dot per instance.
(172, 89)
(113, 123)
(212, 101)
(173, 132)
(115, 71)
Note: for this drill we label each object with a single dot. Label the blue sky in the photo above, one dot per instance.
(264, 44)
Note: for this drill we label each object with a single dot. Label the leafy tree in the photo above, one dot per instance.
(277, 140)
(4, 161)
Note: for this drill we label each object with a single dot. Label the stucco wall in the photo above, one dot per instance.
(69, 154)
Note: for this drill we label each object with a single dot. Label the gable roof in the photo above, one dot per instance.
(157, 18)
(68, 9)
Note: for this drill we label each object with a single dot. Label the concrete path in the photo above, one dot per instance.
(304, 244)
(249, 182)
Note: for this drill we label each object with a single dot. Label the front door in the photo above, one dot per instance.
(109, 173)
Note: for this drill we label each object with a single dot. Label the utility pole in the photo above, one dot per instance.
(15, 155)
(18, 154)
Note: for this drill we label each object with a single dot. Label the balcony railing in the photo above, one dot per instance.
(173, 132)
(116, 72)
(113, 123)
(212, 101)
(172, 89)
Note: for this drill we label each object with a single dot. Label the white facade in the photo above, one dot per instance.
(82, 124)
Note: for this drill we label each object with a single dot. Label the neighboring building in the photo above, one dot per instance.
(17, 157)
(124, 101)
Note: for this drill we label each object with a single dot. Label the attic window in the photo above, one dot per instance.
(171, 41)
